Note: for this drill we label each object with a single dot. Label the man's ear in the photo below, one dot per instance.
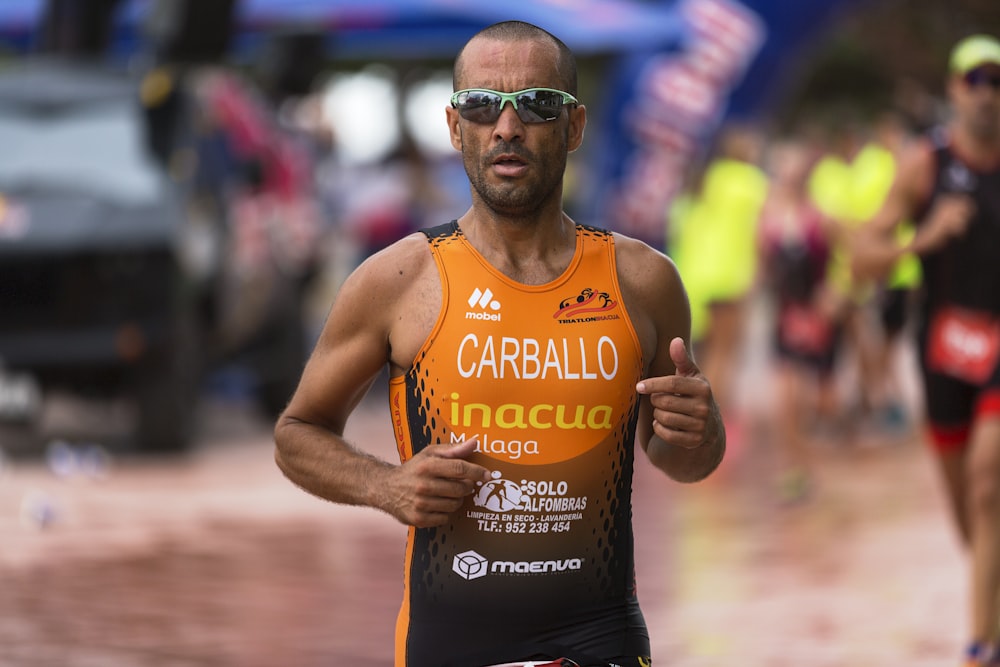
(577, 123)
(454, 130)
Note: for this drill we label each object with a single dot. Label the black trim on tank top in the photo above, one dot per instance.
(439, 231)
(449, 228)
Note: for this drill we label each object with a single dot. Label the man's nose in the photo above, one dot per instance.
(509, 125)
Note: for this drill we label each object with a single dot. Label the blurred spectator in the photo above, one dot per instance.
(848, 185)
(713, 229)
(386, 201)
(270, 189)
(262, 180)
(795, 251)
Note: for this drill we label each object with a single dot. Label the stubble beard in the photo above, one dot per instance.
(514, 199)
(983, 122)
(986, 129)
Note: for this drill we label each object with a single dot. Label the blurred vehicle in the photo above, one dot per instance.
(144, 241)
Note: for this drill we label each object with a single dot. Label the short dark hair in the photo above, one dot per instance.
(512, 31)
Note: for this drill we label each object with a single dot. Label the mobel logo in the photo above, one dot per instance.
(483, 305)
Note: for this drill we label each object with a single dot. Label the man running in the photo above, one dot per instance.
(524, 350)
(950, 184)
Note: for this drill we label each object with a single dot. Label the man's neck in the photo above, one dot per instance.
(982, 154)
(531, 252)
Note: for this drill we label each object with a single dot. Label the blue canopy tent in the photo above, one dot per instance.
(658, 52)
(381, 29)
(438, 28)
(19, 24)
(360, 29)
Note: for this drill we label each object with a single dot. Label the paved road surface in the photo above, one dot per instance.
(216, 560)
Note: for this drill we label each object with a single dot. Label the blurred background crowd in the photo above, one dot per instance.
(184, 184)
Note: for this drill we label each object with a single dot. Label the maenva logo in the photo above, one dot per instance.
(470, 565)
(483, 305)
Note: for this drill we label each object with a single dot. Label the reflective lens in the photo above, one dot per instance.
(983, 77)
(533, 105)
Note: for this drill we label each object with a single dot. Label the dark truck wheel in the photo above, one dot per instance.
(167, 390)
(281, 358)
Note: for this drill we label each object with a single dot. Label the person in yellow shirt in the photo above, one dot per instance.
(713, 232)
(849, 185)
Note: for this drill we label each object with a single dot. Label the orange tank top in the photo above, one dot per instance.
(545, 376)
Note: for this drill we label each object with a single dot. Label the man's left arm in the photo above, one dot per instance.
(680, 427)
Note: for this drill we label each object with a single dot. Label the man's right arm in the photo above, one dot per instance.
(353, 347)
(877, 248)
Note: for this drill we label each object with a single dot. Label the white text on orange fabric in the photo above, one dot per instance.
(532, 359)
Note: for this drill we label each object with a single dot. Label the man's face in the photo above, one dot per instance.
(976, 98)
(515, 168)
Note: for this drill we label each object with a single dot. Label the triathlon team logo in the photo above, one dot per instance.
(587, 301)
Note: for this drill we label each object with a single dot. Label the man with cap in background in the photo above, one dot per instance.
(950, 185)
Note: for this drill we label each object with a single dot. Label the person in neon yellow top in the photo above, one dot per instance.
(850, 190)
(713, 232)
(849, 185)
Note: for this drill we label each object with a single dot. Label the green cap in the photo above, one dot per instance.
(974, 51)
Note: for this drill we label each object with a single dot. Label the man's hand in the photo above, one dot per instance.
(427, 489)
(682, 403)
(685, 418)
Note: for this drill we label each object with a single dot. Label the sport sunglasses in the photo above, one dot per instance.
(533, 105)
(982, 77)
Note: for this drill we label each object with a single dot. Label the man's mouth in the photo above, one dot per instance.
(509, 160)
(509, 165)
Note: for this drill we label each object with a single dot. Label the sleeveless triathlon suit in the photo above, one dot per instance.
(539, 561)
(796, 267)
(960, 328)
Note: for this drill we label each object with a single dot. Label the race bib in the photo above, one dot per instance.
(805, 329)
(964, 344)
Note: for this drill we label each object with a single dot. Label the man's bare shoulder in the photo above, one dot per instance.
(383, 280)
(394, 294)
(642, 267)
(654, 297)
(387, 274)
